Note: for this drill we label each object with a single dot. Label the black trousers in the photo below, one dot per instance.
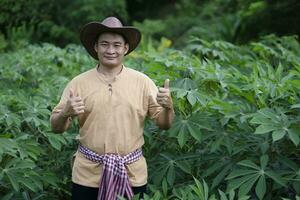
(80, 192)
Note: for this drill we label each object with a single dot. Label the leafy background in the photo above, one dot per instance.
(235, 88)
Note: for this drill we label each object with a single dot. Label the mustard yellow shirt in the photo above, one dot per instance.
(113, 120)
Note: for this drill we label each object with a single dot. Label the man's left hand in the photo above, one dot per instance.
(164, 96)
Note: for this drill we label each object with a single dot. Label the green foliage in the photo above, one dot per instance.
(53, 21)
(264, 17)
(236, 21)
(236, 114)
(31, 82)
(236, 126)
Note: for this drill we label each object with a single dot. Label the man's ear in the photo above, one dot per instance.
(96, 47)
(126, 47)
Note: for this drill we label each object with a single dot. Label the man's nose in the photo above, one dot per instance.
(110, 49)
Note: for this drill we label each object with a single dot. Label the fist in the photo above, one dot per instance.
(164, 96)
(74, 105)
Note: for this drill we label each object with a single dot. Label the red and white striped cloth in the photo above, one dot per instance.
(114, 181)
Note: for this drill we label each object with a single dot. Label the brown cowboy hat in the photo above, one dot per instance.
(92, 30)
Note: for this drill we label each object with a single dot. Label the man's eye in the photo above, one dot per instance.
(104, 44)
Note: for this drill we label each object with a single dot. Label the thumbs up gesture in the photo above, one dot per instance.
(164, 96)
(74, 105)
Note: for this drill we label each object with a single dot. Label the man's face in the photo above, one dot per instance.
(111, 49)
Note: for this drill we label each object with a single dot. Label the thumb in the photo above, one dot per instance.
(167, 84)
(71, 95)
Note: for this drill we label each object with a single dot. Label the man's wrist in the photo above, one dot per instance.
(64, 115)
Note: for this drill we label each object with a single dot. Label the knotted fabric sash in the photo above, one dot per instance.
(114, 180)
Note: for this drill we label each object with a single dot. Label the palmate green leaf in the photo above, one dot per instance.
(13, 180)
(264, 161)
(185, 83)
(160, 173)
(218, 179)
(266, 128)
(264, 146)
(269, 113)
(279, 71)
(179, 192)
(287, 162)
(295, 83)
(194, 96)
(213, 168)
(192, 99)
(47, 177)
(184, 166)
(273, 90)
(236, 183)
(29, 184)
(182, 137)
(22, 151)
(260, 188)
(171, 175)
(278, 134)
(215, 145)
(55, 143)
(164, 187)
(294, 135)
(246, 187)
(222, 106)
(295, 106)
(168, 157)
(278, 179)
(212, 197)
(56, 140)
(12, 162)
(40, 177)
(206, 190)
(184, 192)
(231, 195)
(182, 128)
(180, 93)
(248, 163)
(194, 131)
(32, 149)
(176, 127)
(24, 164)
(222, 195)
(240, 172)
(7, 145)
(199, 189)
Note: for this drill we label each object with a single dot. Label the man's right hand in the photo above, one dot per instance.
(74, 105)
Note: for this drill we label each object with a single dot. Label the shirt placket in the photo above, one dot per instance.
(110, 90)
(110, 97)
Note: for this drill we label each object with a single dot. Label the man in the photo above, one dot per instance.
(111, 102)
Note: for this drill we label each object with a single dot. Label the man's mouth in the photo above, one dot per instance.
(110, 58)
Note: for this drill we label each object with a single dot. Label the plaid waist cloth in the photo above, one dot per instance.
(114, 181)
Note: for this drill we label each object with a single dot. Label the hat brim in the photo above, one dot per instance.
(91, 31)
